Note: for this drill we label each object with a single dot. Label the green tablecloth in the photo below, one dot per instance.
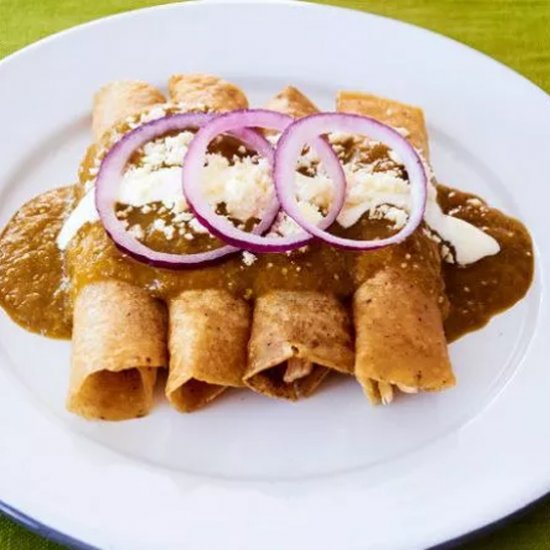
(513, 31)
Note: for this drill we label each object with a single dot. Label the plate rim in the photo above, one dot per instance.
(55, 535)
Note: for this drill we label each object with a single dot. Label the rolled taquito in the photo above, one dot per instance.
(297, 337)
(118, 100)
(400, 340)
(209, 329)
(119, 331)
(205, 92)
(293, 102)
(399, 337)
(119, 342)
(407, 119)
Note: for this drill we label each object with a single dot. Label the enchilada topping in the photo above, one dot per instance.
(112, 172)
(229, 194)
(381, 190)
(302, 131)
(220, 225)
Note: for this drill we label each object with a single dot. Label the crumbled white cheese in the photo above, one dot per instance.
(307, 159)
(316, 189)
(197, 227)
(391, 213)
(447, 254)
(244, 187)
(273, 137)
(137, 232)
(310, 212)
(161, 226)
(368, 191)
(284, 226)
(182, 217)
(157, 111)
(142, 186)
(184, 107)
(339, 137)
(167, 151)
(248, 258)
(384, 194)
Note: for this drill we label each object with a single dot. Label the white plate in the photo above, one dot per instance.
(249, 473)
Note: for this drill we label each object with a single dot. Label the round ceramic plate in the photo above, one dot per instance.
(249, 473)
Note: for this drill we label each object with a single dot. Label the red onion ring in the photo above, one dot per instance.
(111, 172)
(220, 225)
(302, 131)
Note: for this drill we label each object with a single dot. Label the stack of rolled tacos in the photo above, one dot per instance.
(285, 342)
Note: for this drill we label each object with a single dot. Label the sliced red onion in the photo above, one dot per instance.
(304, 130)
(222, 227)
(111, 173)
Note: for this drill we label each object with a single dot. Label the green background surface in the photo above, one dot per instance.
(514, 32)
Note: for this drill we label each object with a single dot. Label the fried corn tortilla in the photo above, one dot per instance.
(119, 343)
(400, 338)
